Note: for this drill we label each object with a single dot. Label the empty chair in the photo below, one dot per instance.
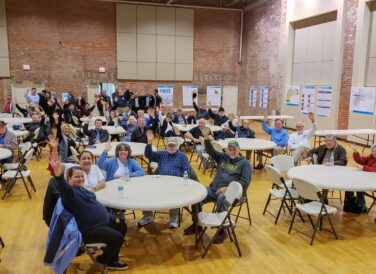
(11, 176)
(284, 194)
(221, 220)
(283, 163)
(316, 207)
(24, 149)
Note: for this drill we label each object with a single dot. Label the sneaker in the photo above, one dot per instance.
(145, 220)
(174, 222)
(192, 229)
(222, 235)
(119, 265)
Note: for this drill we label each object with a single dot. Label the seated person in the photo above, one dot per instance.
(67, 140)
(86, 110)
(200, 112)
(8, 140)
(171, 162)
(278, 135)
(94, 222)
(139, 133)
(368, 164)
(220, 118)
(167, 129)
(69, 113)
(299, 142)
(126, 114)
(244, 131)
(231, 167)
(115, 167)
(37, 121)
(114, 119)
(129, 128)
(329, 154)
(152, 120)
(179, 117)
(9, 106)
(195, 133)
(98, 134)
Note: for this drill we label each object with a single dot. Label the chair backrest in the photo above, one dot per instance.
(202, 140)
(36, 133)
(74, 151)
(28, 156)
(233, 192)
(274, 174)
(26, 147)
(217, 146)
(306, 189)
(282, 162)
(176, 131)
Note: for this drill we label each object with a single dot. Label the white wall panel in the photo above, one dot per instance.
(314, 43)
(147, 71)
(165, 49)
(184, 22)
(165, 71)
(146, 19)
(165, 21)
(184, 50)
(329, 31)
(127, 70)
(126, 47)
(126, 18)
(300, 45)
(146, 48)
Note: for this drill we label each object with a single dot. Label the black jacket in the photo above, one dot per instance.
(50, 199)
(164, 127)
(175, 118)
(201, 113)
(218, 120)
(92, 133)
(139, 136)
(339, 154)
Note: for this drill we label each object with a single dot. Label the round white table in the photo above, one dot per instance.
(138, 149)
(5, 153)
(153, 192)
(103, 118)
(335, 177)
(16, 120)
(188, 127)
(249, 144)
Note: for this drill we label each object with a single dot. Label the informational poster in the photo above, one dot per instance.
(362, 100)
(167, 94)
(308, 99)
(252, 96)
(324, 101)
(64, 96)
(188, 91)
(263, 100)
(292, 95)
(213, 95)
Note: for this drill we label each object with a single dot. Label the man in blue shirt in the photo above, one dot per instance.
(32, 97)
(171, 162)
(278, 135)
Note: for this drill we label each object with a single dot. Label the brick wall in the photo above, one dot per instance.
(261, 64)
(347, 65)
(65, 41)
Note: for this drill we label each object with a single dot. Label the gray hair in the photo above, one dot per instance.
(124, 146)
(331, 136)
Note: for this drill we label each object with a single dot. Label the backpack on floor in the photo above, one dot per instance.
(354, 204)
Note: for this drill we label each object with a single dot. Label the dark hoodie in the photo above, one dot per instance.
(238, 169)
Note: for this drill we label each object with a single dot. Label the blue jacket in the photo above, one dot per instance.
(64, 239)
(278, 136)
(111, 165)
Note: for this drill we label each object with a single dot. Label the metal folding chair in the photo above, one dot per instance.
(221, 220)
(316, 207)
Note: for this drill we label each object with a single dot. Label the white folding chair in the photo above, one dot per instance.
(283, 163)
(221, 220)
(22, 172)
(284, 194)
(316, 207)
(24, 149)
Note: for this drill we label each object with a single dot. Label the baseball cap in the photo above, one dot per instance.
(172, 141)
(233, 143)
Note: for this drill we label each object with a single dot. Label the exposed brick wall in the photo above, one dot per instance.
(261, 64)
(347, 65)
(87, 32)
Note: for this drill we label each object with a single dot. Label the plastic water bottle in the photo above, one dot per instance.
(127, 174)
(331, 160)
(236, 134)
(185, 178)
(120, 187)
(116, 123)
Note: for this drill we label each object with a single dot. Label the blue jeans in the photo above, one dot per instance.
(200, 149)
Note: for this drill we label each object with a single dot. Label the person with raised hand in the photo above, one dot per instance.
(116, 167)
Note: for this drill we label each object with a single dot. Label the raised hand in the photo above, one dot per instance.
(352, 146)
(107, 147)
(150, 136)
(311, 117)
(52, 141)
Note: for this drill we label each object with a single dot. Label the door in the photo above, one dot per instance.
(230, 99)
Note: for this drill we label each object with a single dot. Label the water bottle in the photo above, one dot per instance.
(331, 160)
(185, 178)
(236, 134)
(116, 123)
(127, 174)
(120, 188)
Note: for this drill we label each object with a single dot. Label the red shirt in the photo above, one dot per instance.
(7, 108)
(368, 162)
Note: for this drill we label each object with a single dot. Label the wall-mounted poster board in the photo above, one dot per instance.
(292, 95)
(252, 101)
(188, 91)
(167, 94)
(213, 95)
(308, 99)
(264, 94)
(324, 101)
(362, 100)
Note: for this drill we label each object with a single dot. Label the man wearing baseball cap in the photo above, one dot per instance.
(171, 162)
(231, 166)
